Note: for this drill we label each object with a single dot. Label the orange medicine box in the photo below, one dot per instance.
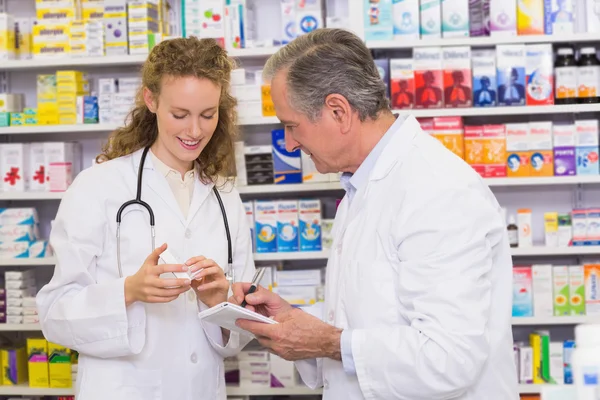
(542, 153)
(494, 150)
(517, 150)
(268, 109)
(474, 153)
(450, 131)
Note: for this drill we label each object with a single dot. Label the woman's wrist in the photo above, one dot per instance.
(129, 296)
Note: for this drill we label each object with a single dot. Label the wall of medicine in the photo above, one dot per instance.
(540, 204)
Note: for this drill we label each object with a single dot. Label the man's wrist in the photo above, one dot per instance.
(332, 345)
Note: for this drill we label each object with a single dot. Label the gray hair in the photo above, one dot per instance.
(328, 61)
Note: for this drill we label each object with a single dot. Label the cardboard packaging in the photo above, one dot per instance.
(540, 74)
(378, 20)
(543, 302)
(115, 27)
(287, 226)
(542, 155)
(287, 166)
(494, 151)
(525, 225)
(561, 290)
(592, 294)
(310, 225)
(457, 76)
(503, 17)
(510, 61)
(522, 292)
(577, 290)
(431, 19)
(455, 18)
(428, 77)
(530, 17)
(517, 150)
(559, 17)
(450, 131)
(484, 78)
(565, 163)
(14, 167)
(402, 83)
(474, 148)
(586, 147)
(37, 354)
(383, 67)
(265, 217)
(579, 218)
(479, 18)
(406, 19)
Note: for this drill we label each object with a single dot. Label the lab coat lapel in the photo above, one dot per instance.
(153, 180)
(201, 193)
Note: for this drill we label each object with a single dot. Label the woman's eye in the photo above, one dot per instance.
(178, 116)
(208, 116)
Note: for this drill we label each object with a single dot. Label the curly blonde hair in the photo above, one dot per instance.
(182, 57)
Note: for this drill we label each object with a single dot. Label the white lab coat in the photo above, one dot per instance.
(421, 271)
(145, 351)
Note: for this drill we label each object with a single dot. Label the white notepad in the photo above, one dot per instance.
(225, 315)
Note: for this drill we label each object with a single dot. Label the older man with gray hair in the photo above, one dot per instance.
(419, 281)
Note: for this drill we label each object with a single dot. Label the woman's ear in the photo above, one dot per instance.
(149, 100)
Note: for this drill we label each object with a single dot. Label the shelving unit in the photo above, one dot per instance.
(535, 389)
(547, 321)
(28, 262)
(20, 328)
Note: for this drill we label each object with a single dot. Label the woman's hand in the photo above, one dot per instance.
(210, 283)
(147, 286)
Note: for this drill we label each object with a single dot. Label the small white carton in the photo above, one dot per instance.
(543, 304)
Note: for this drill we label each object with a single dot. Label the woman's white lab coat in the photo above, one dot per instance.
(145, 351)
(421, 271)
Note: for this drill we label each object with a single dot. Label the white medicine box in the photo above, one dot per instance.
(14, 167)
(63, 161)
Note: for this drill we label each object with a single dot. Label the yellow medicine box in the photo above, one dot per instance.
(14, 366)
(56, 13)
(46, 88)
(59, 361)
(37, 356)
(51, 32)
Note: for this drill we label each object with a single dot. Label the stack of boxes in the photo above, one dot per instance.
(52, 28)
(115, 27)
(19, 236)
(300, 288)
(258, 369)
(69, 86)
(49, 364)
(248, 95)
(20, 297)
(87, 36)
(11, 104)
(47, 100)
(7, 37)
(116, 98)
(143, 25)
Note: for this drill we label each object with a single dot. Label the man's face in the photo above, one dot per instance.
(322, 140)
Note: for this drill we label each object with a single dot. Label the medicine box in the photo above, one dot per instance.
(517, 150)
(450, 131)
(525, 224)
(302, 277)
(474, 143)
(525, 364)
(309, 170)
(565, 230)
(592, 289)
(288, 21)
(14, 165)
(378, 20)
(510, 61)
(542, 155)
(249, 209)
(557, 373)
(428, 77)
(503, 17)
(37, 167)
(287, 226)
(18, 216)
(479, 18)
(577, 290)
(530, 17)
(457, 76)
(579, 218)
(431, 19)
(551, 229)
(310, 225)
(14, 366)
(383, 67)
(494, 151)
(484, 78)
(593, 227)
(265, 216)
(7, 37)
(287, 165)
(561, 290)
(522, 292)
(406, 19)
(115, 27)
(592, 12)
(37, 355)
(283, 372)
(565, 163)
(558, 17)
(298, 295)
(59, 360)
(586, 143)
(455, 18)
(402, 83)
(540, 74)
(543, 304)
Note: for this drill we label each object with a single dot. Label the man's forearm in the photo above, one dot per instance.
(331, 343)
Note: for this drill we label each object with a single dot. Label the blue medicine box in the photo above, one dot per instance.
(287, 166)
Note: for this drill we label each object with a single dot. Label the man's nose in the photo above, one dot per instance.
(290, 143)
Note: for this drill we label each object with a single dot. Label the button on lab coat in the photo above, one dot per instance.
(421, 272)
(145, 351)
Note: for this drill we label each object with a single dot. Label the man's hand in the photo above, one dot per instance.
(297, 336)
(262, 301)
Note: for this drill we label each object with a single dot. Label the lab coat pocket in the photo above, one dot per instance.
(120, 382)
(370, 294)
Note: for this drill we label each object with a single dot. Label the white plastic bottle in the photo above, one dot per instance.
(586, 362)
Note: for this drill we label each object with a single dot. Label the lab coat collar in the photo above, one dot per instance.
(397, 148)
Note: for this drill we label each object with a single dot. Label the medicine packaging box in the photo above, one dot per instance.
(510, 62)
(474, 148)
(565, 163)
(522, 292)
(561, 290)
(579, 218)
(406, 19)
(265, 217)
(7, 37)
(14, 165)
(259, 165)
(378, 20)
(37, 168)
(383, 67)
(283, 373)
(431, 19)
(577, 290)
(484, 78)
(18, 216)
(559, 17)
(287, 165)
(309, 170)
(592, 294)
(428, 77)
(455, 18)
(310, 225)
(450, 131)
(287, 226)
(64, 163)
(14, 366)
(115, 27)
(59, 360)
(457, 76)
(587, 149)
(592, 234)
(542, 155)
(517, 150)
(530, 17)
(503, 17)
(302, 277)
(592, 13)
(249, 209)
(402, 83)
(540, 74)
(494, 151)
(543, 303)
(37, 355)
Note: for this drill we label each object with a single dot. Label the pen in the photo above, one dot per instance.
(257, 277)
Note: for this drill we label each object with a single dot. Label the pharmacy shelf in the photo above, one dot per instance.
(14, 196)
(485, 41)
(60, 62)
(36, 129)
(301, 255)
(27, 262)
(23, 390)
(259, 52)
(499, 111)
(20, 328)
(535, 389)
(531, 321)
(293, 391)
(555, 251)
(259, 121)
(541, 181)
(297, 188)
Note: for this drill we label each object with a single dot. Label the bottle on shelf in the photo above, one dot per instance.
(513, 232)
(588, 76)
(565, 70)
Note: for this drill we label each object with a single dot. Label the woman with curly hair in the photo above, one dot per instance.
(133, 322)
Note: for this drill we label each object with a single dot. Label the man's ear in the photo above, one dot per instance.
(149, 100)
(340, 110)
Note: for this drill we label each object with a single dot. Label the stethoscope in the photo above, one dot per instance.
(230, 273)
